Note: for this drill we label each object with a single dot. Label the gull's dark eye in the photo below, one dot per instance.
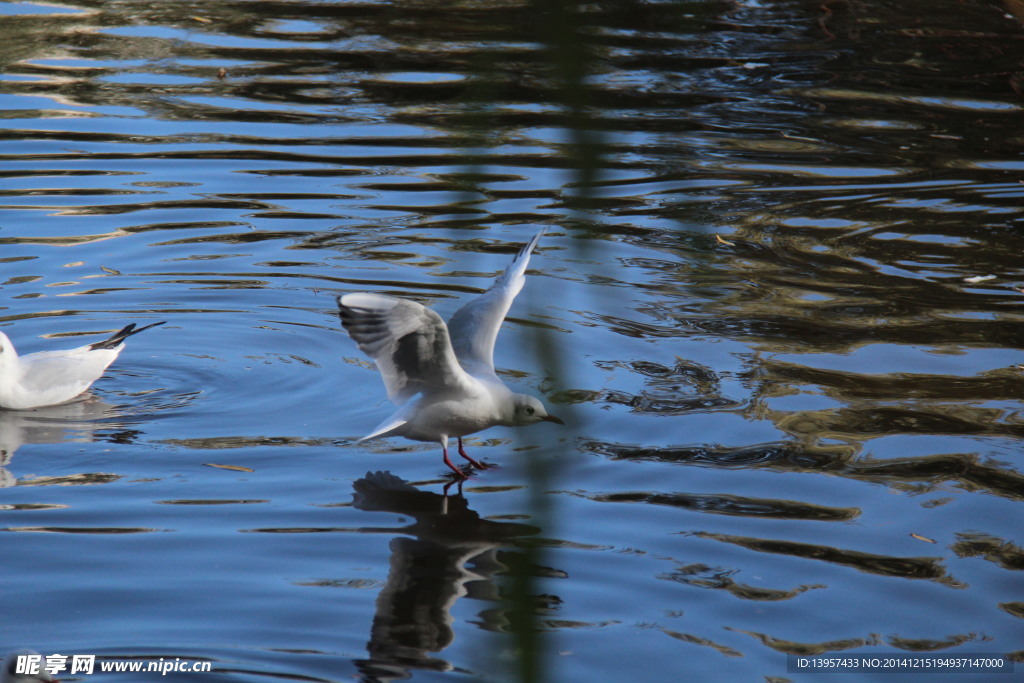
(530, 410)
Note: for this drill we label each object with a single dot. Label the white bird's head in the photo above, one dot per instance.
(528, 410)
(7, 352)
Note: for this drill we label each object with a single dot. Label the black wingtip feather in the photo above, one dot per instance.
(527, 249)
(121, 335)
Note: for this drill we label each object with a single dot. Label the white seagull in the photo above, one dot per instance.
(47, 378)
(442, 376)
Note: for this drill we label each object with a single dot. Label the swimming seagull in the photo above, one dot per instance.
(51, 377)
(449, 367)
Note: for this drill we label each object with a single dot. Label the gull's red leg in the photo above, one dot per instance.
(462, 452)
(456, 470)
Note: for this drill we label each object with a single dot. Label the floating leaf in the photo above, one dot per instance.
(922, 538)
(236, 468)
(202, 20)
(110, 270)
(722, 240)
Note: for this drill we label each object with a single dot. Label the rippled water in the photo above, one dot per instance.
(778, 304)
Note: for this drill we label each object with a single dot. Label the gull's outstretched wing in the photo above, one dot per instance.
(474, 327)
(408, 342)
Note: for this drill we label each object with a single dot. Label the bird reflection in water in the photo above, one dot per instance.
(448, 552)
(74, 422)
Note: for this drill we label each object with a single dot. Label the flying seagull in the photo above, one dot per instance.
(47, 378)
(442, 376)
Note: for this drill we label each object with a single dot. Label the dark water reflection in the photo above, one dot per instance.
(780, 299)
(452, 554)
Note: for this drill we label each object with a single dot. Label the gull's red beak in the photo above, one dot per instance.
(552, 418)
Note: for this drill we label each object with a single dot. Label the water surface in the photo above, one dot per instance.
(778, 305)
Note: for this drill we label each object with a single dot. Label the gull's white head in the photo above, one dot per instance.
(7, 352)
(528, 410)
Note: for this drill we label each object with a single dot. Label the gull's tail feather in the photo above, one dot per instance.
(392, 423)
(122, 334)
